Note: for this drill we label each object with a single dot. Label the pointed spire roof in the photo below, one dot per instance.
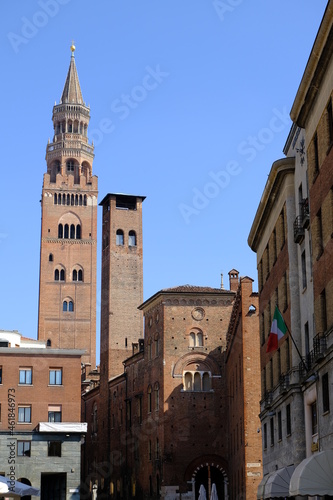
(72, 90)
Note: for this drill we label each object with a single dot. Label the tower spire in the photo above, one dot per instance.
(72, 90)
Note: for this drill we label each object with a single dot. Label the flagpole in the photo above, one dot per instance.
(293, 341)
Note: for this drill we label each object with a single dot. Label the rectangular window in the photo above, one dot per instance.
(314, 419)
(326, 394)
(55, 377)
(149, 449)
(23, 448)
(24, 414)
(0, 412)
(0, 374)
(330, 122)
(323, 311)
(316, 154)
(319, 235)
(54, 449)
(129, 412)
(288, 419)
(54, 413)
(283, 229)
(140, 409)
(271, 424)
(307, 338)
(304, 280)
(279, 426)
(25, 376)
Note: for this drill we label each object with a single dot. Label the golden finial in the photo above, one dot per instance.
(73, 47)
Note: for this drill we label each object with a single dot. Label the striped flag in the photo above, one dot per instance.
(278, 329)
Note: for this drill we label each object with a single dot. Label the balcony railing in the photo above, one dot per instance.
(284, 383)
(298, 230)
(314, 356)
(305, 213)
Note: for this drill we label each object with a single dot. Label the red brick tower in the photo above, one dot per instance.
(122, 280)
(67, 287)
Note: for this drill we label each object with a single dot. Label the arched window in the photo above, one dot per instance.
(78, 232)
(149, 398)
(157, 345)
(65, 306)
(157, 396)
(68, 306)
(80, 275)
(196, 339)
(64, 199)
(56, 275)
(188, 381)
(150, 350)
(48, 343)
(62, 275)
(80, 199)
(55, 199)
(206, 382)
(157, 449)
(94, 423)
(60, 231)
(72, 199)
(76, 199)
(59, 199)
(51, 257)
(197, 382)
(75, 275)
(71, 306)
(131, 239)
(70, 166)
(72, 232)
(120, 237)
(68, 199)
(85, 200)
(66, 231)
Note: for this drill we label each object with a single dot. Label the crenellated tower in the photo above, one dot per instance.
(67, 287)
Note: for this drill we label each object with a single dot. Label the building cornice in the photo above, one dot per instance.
(280, 169)
(315, 69)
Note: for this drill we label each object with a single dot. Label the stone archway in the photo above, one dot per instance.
(208, 470)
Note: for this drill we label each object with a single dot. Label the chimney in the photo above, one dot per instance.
(233, 280)
(222, 286)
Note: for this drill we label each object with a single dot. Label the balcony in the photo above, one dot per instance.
(305, 213)
(284, 384)
(268, 399)
(314, 356)
(298, 230)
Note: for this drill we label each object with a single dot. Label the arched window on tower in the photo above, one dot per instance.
(62, 275)
(132, 239)
(51, 257)
(72, 232)
(70, 166)
(85, 200)
(72, 199)
(66, 231)
(80, 275)
(55, 199)
(76, 199)
(149, 398)
(78, 232)
(64, 199)
(71, 306)
(80, 199)
(197, 379)
(60, 231)
(68, 199)
(75, 275)
(56, 275)
(120, 237)
(59, 199)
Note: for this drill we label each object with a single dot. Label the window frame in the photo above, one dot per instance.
(53, 445)
(25, 370)
(56, 371)
(24, 451)
(26, 409)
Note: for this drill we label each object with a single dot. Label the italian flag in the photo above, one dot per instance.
(278, 329)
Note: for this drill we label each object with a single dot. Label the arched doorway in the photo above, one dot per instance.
(209, 475)
(24, 480)
(208, 470)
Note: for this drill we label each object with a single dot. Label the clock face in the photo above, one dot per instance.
(198, 313)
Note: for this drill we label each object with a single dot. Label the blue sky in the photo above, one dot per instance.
(190, 106)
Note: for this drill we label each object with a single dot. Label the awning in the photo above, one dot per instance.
(63, 427)
(277, 484)
(314, 475)
(17, 489)
(261, 487)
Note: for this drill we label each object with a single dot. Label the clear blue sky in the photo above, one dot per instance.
(189, 107)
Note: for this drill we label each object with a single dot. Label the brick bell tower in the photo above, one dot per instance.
(122, 280)
(67, 286)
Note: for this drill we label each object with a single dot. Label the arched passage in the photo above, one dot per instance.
(208, 470)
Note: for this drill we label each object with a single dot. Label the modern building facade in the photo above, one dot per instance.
(67, 290)
(40, 424)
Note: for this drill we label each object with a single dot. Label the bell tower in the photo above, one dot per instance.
(67, 282)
